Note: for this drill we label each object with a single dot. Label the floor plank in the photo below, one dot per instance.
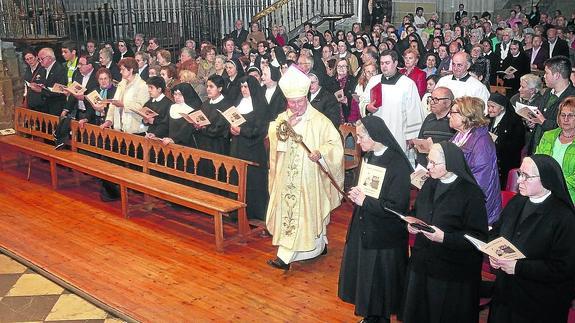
(161, 265)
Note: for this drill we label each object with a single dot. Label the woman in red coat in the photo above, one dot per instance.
(410, 57)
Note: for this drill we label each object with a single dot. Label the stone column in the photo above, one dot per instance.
(11, 84)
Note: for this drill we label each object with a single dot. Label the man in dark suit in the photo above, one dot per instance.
(53, 73)
(239, 35)
(324, 101)
(139, 43)
(106, 56)
(460, 13)
(556, 45)
(77, 106)
(557, 73)
(142, 59)
(537, 54)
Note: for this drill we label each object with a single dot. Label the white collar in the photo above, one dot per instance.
(380, 152)
(540, 199)
(178, 108)
(449, 180)
(49, 68)
(159, 98)
(245, 106)
(498, 118)
(217, 100)
(558, 94)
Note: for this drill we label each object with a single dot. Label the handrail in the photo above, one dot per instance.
(292, 14)
(270, 9)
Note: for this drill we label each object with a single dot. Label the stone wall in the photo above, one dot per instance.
(11, 84)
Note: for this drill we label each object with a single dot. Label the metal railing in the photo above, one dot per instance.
(171, 21)
(293, 13)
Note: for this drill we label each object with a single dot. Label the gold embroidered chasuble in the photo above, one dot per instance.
(301, 195)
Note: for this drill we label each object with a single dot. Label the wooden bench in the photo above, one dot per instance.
(136, 150)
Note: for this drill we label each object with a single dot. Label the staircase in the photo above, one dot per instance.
(293, 14)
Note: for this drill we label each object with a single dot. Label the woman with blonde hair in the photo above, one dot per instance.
(206, 64)
(367, 71)
(468, 119)
(187, 76)
(558, 143)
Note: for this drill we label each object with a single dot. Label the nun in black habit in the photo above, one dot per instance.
(375, 255)
(445, 268)
(215, 136)
(235, 71)
(540, 222)
(180, 131)
(275, 98)
(248, 144)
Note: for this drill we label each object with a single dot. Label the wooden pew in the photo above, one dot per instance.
(135, 150)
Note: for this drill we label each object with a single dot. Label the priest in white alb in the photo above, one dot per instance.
(301, 195)
(461, 83)
(394, 98)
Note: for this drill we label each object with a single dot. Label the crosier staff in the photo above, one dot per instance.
(285, 131)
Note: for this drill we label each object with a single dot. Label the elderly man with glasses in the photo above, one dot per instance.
(53, 73)
(435, 127)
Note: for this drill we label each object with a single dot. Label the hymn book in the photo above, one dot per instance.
(340, 96)
(58, 88)
(499, 248)
(145, 112)
(76, 88)
(413, 221)
(94, 98)
(197, 118)
(509, 71)
(526, 111)
(419, 176)
(233, 116)
(371, 179)
(7, 131)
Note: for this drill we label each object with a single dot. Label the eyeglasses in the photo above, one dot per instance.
(435, 100)
(433, 163)
(525, 176)
(42, 58)
(454, 112)
(567, 116)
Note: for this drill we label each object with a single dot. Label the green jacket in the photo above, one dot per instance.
(568, 165)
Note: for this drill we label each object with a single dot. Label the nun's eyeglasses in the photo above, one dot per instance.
(433, 163)
(525, 176)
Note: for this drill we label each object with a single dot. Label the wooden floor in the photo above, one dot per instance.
(161, 266)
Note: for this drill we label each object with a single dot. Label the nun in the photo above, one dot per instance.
(540, 222)
(180, 131)
(235, 71)
(375, 255)
(508, 127)
(444, 268)
(248, 143)
(275, 98)
(215, 136)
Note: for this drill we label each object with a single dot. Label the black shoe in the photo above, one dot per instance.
(59, 145)
(278, 264)
(107, 198)
(324, 252)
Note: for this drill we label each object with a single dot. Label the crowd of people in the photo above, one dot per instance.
(419, 95)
